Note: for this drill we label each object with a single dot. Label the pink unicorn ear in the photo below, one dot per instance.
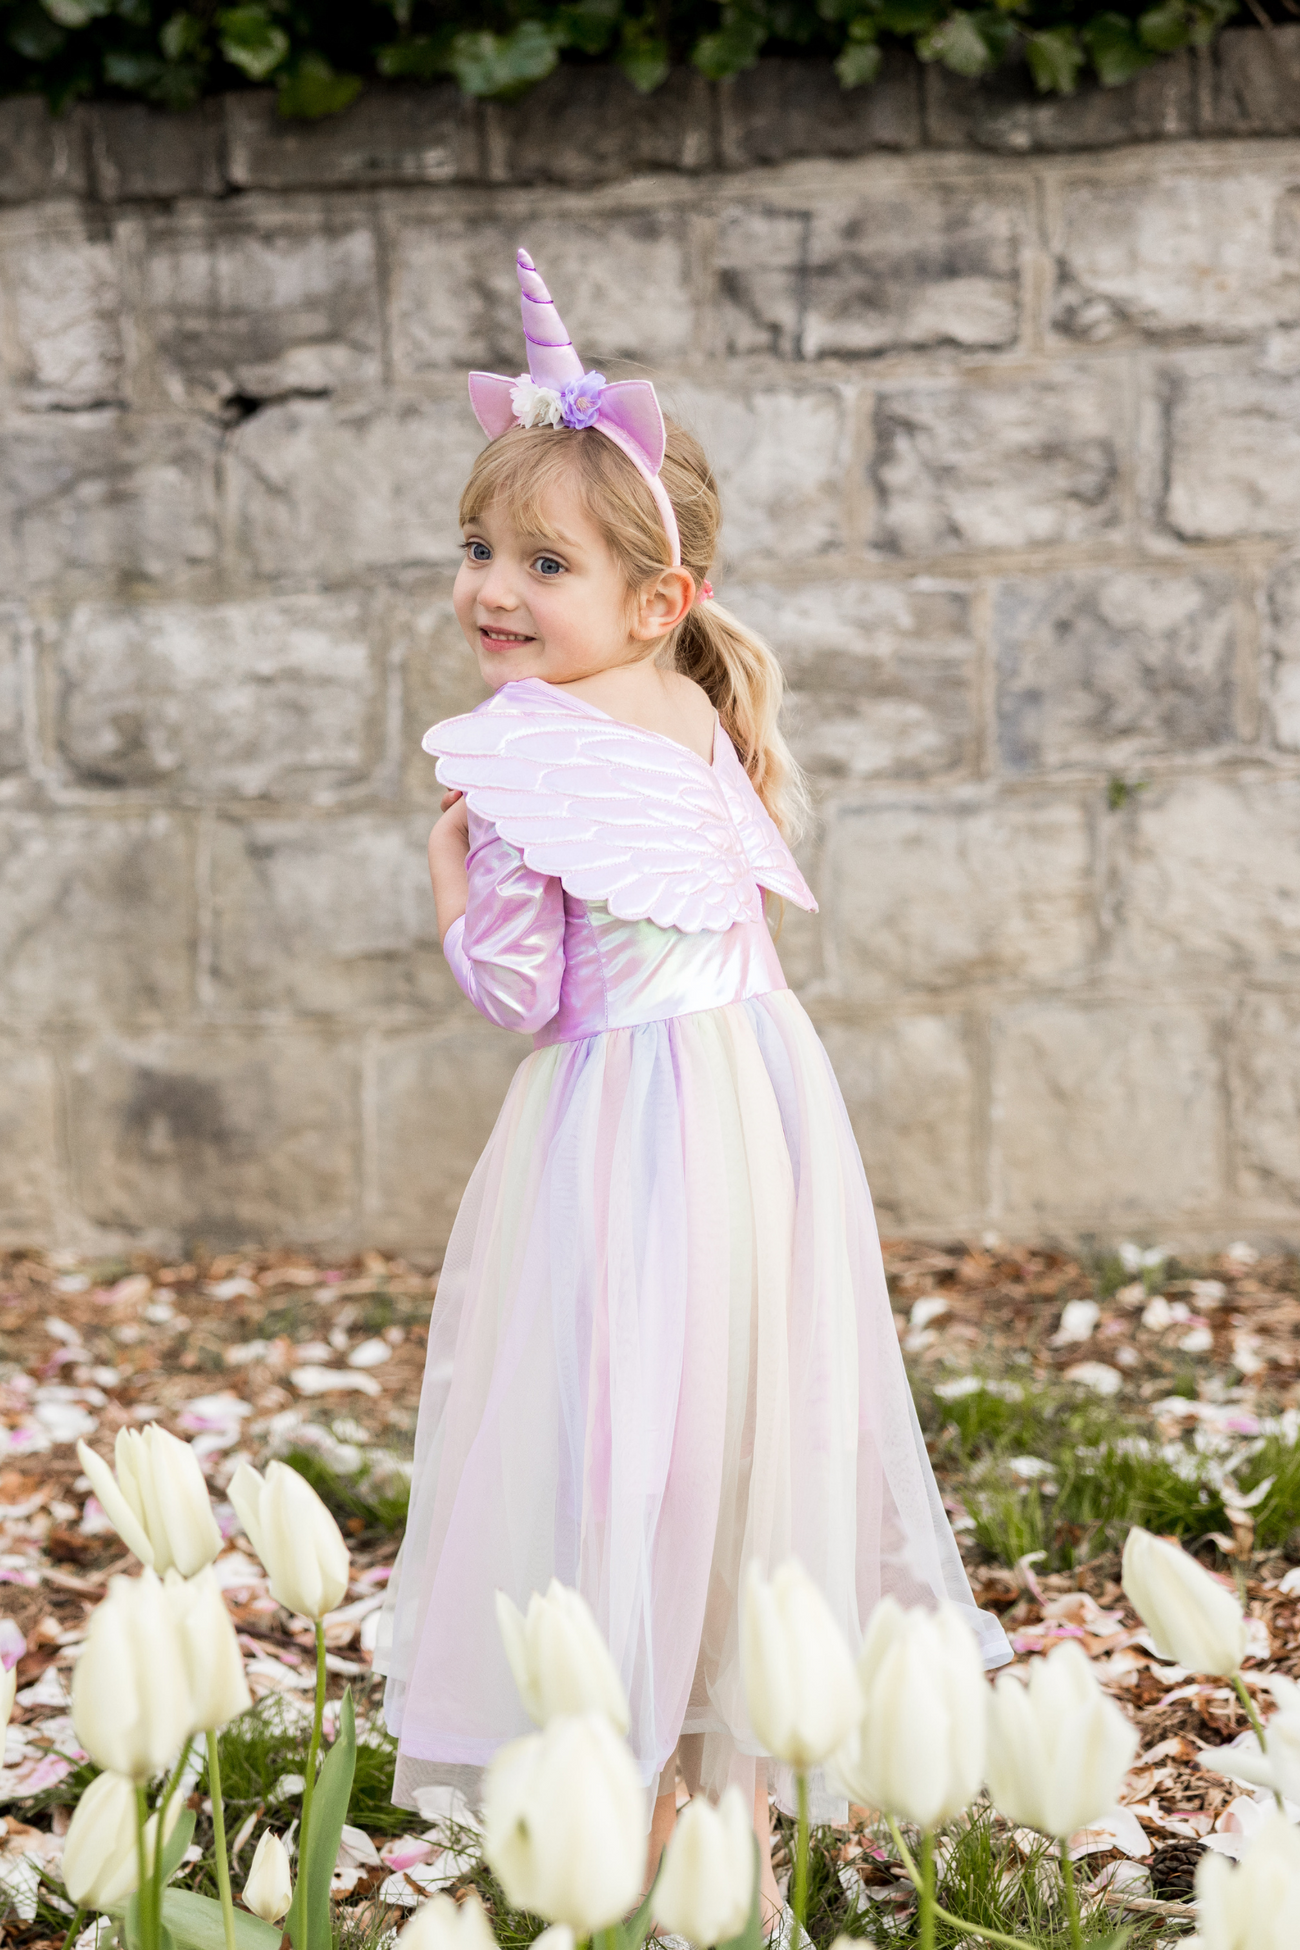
(631, 406)
(489, 395)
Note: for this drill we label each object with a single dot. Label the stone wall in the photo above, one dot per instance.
(1005, 399)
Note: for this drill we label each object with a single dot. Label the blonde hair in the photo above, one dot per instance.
(736, 669)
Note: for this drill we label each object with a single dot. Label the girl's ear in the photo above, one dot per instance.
(662, 604)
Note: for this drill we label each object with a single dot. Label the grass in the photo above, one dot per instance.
(371, 1503)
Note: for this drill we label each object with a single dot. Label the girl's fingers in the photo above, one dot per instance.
(449, 799)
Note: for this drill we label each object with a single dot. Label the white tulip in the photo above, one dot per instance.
(441, 1924)
(1279, 1767)
(131, 1701)
(1192, 1618)
(706, 1884)
(158, 1502)
(268, 1891)
(564, 1823)
(8, 1693)
(100, 1865)
(294, 1535)
(800, 1686)
(1255, 1906)
(215, 1665)
(919, 1748)
(560, 1661)
(1058, 1748)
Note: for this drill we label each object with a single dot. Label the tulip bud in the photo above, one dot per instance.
(1255, 1906)
(706, 1885)
(100, 1864)
(1058, 1748)
(213, 1660)
(268, 1891)
(131, 1701)
(158, 1502)
(294, 1535)
(564, 1823)
(918, 1750)
(1193, 1619)
(800, 1686)
(560, 1662)
(441, 1924)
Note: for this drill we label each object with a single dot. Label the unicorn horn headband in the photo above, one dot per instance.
(556, 392)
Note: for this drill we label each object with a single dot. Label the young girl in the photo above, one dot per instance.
(662, 1344)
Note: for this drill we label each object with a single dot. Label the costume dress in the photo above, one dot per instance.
(662, 1343)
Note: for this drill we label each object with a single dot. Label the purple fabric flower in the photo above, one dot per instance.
(580, 399)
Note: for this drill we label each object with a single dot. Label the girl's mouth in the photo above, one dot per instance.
(504, 637)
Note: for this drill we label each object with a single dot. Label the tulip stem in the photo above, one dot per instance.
(313, 1754)
(1071, 1896)
(144, 1892)
(800, 1904)
(925, 1890)
(940, 1914)
(219, 1840)
(1252, 1714)
(73, 1927)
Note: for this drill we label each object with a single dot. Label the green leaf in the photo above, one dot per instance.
(910, 17)
(312, 89)
(503, 64)
(1208, 16)
(959, 44)
(76, 13)
(1116, 54)
(1165, 28)
(632, 1934)
(734, 47)
(135, 72)
(418, 59)
(181, 35)
(589, 24)
(643, 57)
(308, 1921)
(859, 62)
(137, 13)
(251, 41)
(196, 1924)
(1055, 57)
(173, 1849)
(33, 34)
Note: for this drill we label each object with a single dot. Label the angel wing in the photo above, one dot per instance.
(615, 813)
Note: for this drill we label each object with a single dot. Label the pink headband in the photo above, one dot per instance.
(556, 392)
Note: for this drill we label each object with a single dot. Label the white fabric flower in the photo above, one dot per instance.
(534, 405)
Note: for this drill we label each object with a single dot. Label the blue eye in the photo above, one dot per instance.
(478, 551)
(546, 565)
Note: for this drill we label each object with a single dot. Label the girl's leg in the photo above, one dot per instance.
(769, 1896)
(661, 1827)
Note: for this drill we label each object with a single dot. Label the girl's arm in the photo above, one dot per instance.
(502, 924)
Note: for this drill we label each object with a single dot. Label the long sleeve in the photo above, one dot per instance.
(507, 949)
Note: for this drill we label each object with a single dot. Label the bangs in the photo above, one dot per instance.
(522, 468)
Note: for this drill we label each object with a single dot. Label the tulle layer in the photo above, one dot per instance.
(662, 1346)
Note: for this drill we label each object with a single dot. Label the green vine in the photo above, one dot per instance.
(318, 54)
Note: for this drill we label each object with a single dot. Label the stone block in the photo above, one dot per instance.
(1104, 667)
(287, 303)
(27, 1144)
(911, 1091)
(1103, 1115)
(590, 125)
(138, 153)
(440, 679)
(621, 281)
(1264, 1084)
(1248, 83)
(437, 1093)
(41, 154)
(1002, 462)
(780, 457)
(1205, 880)
(326, 915)
(60, 302)
(781, 109)
(940, 893)
(96, 915)
(1229, 465)
(1193, 254)
(1281, 648)
(13, 628)
(325, 490)
(389, 135)
(880, 674)
(1003, 111)
(217, 1138)
(899, 268)
(280, 699)
(104, 499)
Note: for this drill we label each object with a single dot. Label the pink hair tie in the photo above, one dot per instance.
(704, 594)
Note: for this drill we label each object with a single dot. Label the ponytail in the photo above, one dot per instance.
(745, 683)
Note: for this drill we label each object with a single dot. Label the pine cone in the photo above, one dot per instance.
(1173, 1870)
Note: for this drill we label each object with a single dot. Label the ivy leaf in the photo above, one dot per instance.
(312, 89)
(1055, 57)
(959, 44)
(907, 18)
(1116, 53)
(589, 25)
(643, 57)
(1165, 28)
(734, 47)
(858, 63)
(251, 41)
(418, 59)
(181, 35)
(503, 64)
(33, 34)
(76, 13)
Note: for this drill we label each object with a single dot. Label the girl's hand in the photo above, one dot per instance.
(449, 799)
(448, 846)
(452, 830)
